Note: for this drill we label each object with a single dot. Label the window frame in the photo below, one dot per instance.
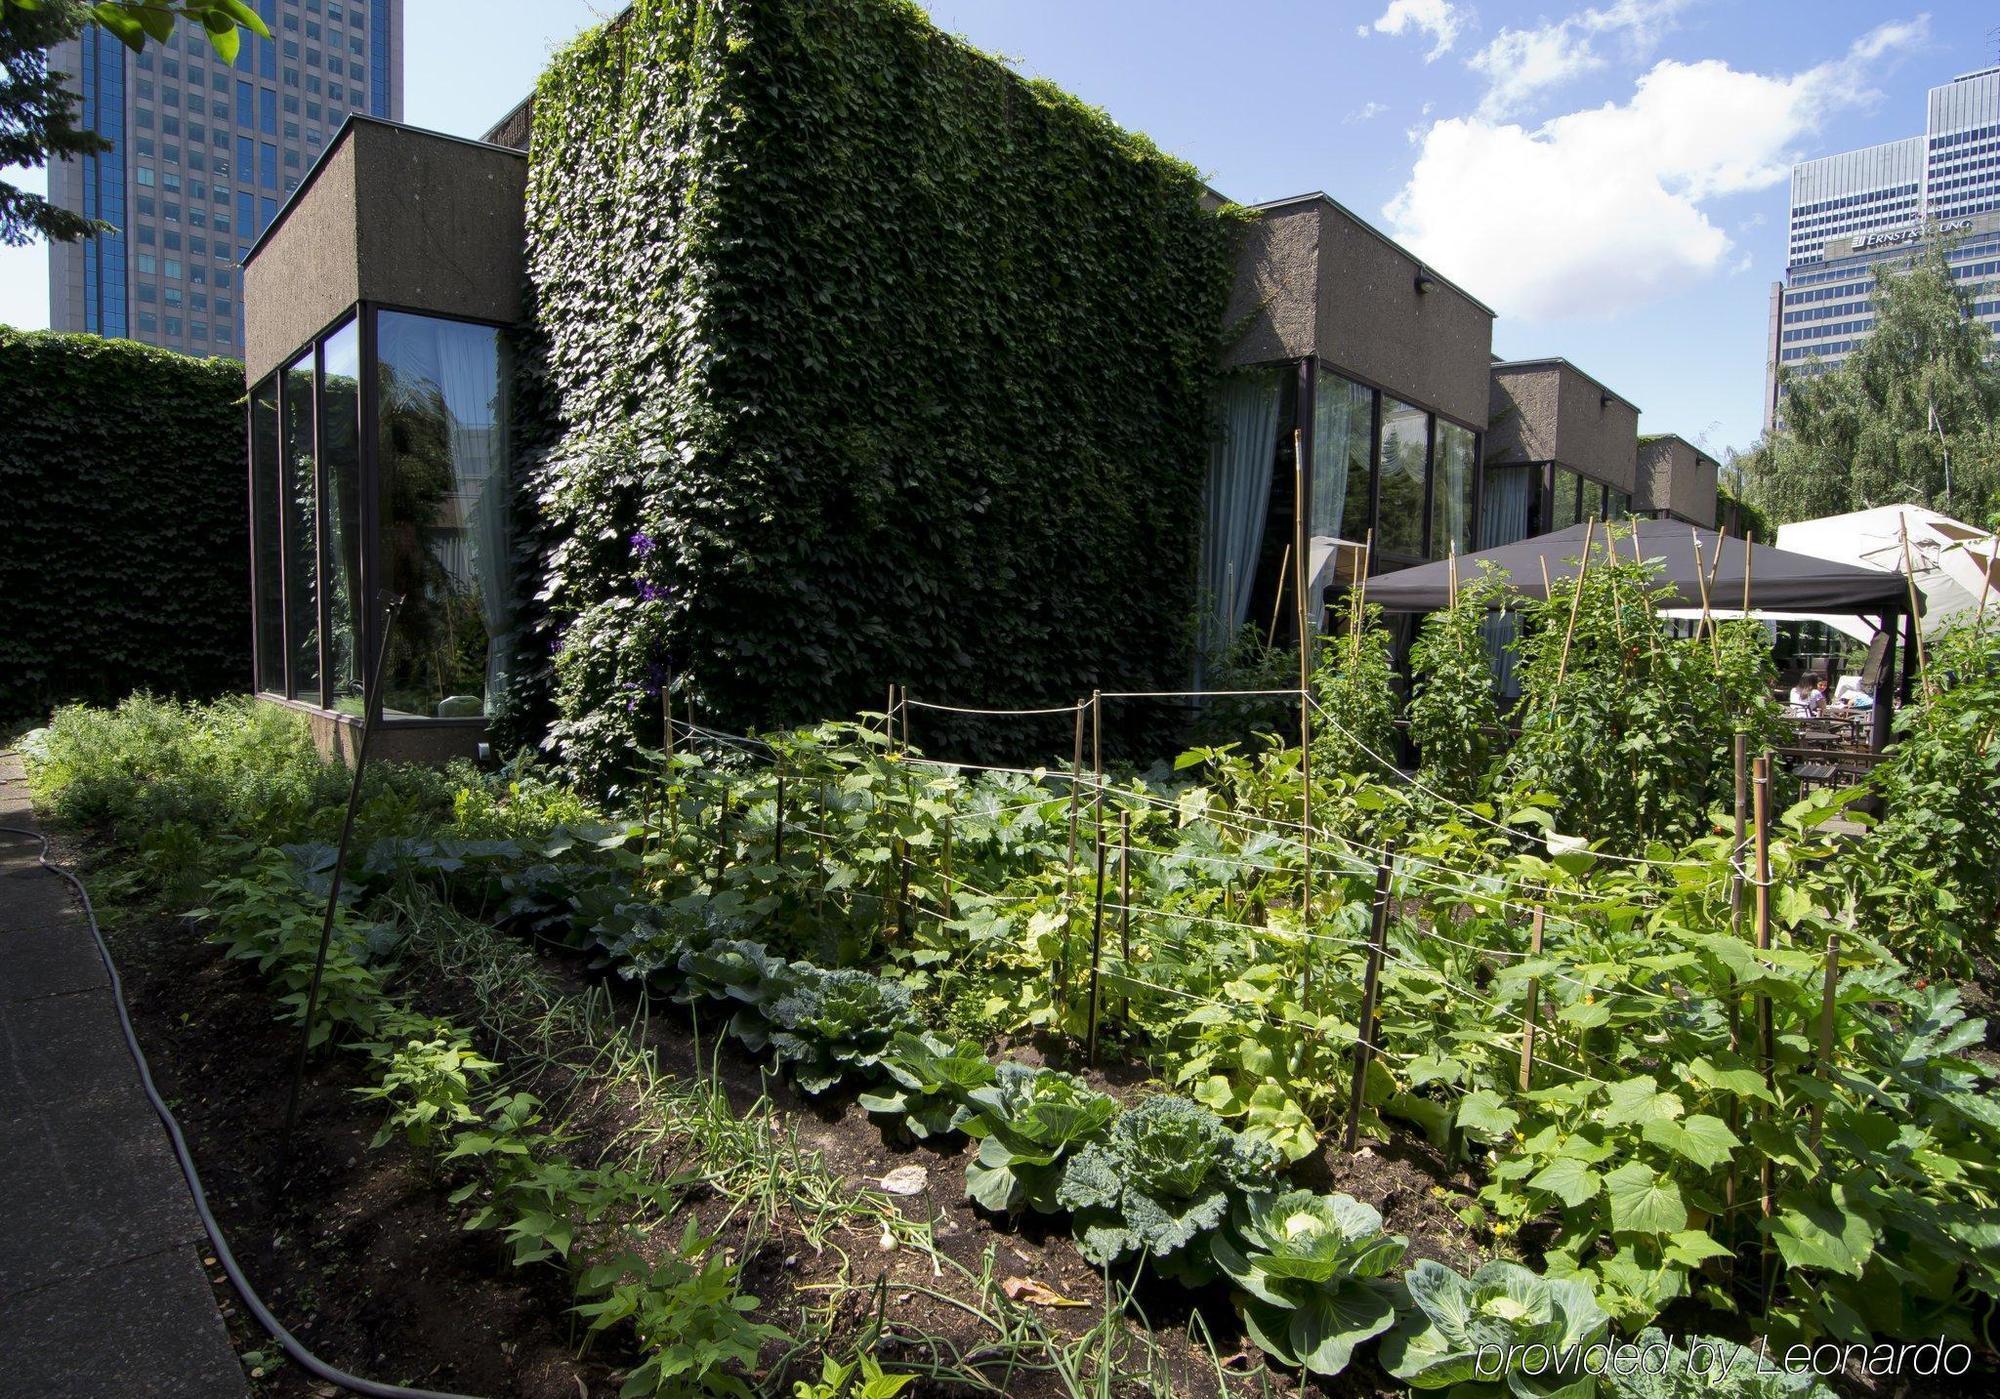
(368, 610)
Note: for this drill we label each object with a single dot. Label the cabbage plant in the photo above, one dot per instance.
(1502, 1331)
(835, 1023)
(1312, 1269)
(929, 1080)
(1166, 1173)
(1028, 1121)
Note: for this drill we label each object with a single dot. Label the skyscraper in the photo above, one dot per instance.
(203, 154)
(1853, 210)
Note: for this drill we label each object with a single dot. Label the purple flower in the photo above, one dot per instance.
(643, 544)
(650, 592)
(656, 678)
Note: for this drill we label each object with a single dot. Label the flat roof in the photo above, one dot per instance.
(355, 119)
(1649, 438)
(1501, 366)
(1320, 196)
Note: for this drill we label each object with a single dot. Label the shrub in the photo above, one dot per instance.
(127, 560)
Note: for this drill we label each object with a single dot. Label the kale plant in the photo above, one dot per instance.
(1167, 1173)
(1313, 1273)
(1028, 1121)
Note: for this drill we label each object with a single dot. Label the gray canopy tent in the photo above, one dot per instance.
(1685, 558)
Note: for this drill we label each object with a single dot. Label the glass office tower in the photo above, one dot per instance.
(1859, 208)
(204, 153)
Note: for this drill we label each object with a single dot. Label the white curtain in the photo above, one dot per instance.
(1504, 518)
(1342, 433)
(1237, 500)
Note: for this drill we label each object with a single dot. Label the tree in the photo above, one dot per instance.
(1909, 416)
(38, 115)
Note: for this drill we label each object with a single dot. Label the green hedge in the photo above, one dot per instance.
(124, 547)
(898, 363)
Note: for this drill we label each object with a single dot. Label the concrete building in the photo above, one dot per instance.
(1562, 448)
(1354, 375)
(1859, 208)
(204, 153)
(1375, 366)
(1676, 481)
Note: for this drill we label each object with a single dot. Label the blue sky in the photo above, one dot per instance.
(1610, 176)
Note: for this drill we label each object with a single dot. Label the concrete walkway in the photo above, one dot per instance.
(102, 1291)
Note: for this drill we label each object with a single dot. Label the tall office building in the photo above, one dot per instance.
(1856, 209)
(203, 154)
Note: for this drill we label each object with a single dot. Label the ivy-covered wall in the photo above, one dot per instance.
(124, 545)
(872, 363)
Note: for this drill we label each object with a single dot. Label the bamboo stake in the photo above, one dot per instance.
(889, 716)
(778, 828)
(1749, 557)
(1700, 577)
(1533, 1007)
(1069, 883)
(1910, 578)
(1364, 1028)
(1125, 910)
(1278, 602)
(1823, 1068)
(1766, 1040)
(1305, 722)
(1575, 601)
(1986, 583)
(1096, 954)
(1740, 750)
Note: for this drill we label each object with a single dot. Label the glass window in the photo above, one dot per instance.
(1343, 435)
(1506, 510)
(443, 547)
(1399, 526)
(1451, 496)
(340, 457)
(301, 531)
(1564, 499)
(267, 555)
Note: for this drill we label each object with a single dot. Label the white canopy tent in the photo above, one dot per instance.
(1952, 562)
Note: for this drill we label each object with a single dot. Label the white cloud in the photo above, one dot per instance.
(1441, 19)
(1520, 64)
(1367, 111)
(1600, 210)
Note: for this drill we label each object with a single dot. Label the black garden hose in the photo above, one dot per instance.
(254, 1304)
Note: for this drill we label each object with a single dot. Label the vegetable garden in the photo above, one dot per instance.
(1672, 1079)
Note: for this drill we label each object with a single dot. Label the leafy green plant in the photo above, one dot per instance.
(836, 1022)
(1502, 1331)
(858, 1379)
(1934, 891)
(430, 1075)
(1454, 720)
(1028, 1121)
(930, 1081)
(1313, 1273)
(1355, 683)
(692, 1322)
(1707, 1367)
(1165, 1175)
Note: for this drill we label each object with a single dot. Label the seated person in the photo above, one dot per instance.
(1849, 692)
(1806, 697)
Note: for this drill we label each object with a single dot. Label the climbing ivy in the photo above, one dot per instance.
(871, 361)
(125, 564)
